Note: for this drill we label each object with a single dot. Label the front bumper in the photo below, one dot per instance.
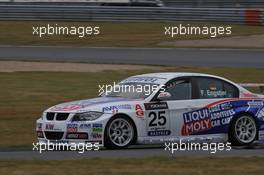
(68, 132)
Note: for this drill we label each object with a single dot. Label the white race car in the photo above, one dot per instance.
(162, 107)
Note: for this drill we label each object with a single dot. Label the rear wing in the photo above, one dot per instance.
(254, 85)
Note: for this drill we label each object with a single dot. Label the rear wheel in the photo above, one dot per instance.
(243, 131)
(120, 133)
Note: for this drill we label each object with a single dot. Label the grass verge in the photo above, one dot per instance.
(154, 165)
(113, 34)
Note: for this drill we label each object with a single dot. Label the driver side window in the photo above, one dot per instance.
(179, 89)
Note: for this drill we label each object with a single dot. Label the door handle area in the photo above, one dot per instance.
(192, 108)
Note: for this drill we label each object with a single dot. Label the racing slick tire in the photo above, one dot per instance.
(119, 132)
(243, 131)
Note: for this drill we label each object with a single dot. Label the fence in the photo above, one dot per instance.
(216, 3)
(97, 13)
(254, 85)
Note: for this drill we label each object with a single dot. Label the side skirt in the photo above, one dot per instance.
(210, 138)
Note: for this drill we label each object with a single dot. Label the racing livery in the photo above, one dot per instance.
(182, 106)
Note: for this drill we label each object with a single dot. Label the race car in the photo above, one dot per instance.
(159, 107)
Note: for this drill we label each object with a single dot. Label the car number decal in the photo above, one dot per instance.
(157, 119)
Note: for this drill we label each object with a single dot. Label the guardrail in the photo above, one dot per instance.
(254, 85)
(97, 13)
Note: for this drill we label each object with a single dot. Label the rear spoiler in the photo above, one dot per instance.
(256, 85)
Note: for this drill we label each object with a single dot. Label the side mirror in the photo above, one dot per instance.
(164, 96)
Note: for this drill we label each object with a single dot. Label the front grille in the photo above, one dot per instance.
(50, 116)
(53, 135)
(62, 116)
(58, 116)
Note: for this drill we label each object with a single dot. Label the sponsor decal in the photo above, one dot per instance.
(72, 127)
(196, 121)
(219, 114)
(77, 136)
(141, 80)
(114, 109)
(255, 104)
(213, 93)
(72, 136)
(96, 131)
(39, 126)
(261, 135)
(78, 105)
(96, 136)
(97, 127)
(85, 126)
(49, 127)
(207, 118)
(260, 114)
(156, 106)
(164, 94)
(139, 111)
(52, 127)
(40, 134)
(158, 123)
(159, 133)
(66, 108)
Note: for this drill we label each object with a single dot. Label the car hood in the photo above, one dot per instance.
(94, 104)
(260, 95)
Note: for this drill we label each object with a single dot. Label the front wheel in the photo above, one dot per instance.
(243, 131)
(119, 133)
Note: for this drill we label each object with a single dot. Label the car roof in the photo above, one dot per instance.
(166, 76)
(171, 75)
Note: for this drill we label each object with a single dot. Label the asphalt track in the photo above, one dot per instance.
(147, 56)
(133, 152)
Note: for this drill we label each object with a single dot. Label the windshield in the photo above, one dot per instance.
(133, 90)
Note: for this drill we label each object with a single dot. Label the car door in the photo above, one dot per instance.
(180, 102)
(208, 117)
(194, 117)
(162, 116)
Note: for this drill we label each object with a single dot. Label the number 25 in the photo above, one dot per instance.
(158, 119)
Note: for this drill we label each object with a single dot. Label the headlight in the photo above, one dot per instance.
(43, 115)
(87, 116)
